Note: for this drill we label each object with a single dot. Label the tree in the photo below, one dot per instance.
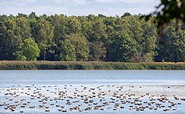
(73, 25)
(121, 48)
(101, 16)
(67, 52)
(34, 26)
(32, 15)
(59, 24)
(86, 27)
(126, 14)
(97, 51)
(174, 47)
(28, 51)
(45, 37)
(9, 42)
(22, 28)
(98, 30)
(145, 35)
(81, 38)
(81, 46)
(94, 29)
(148, 43)
(167, 11)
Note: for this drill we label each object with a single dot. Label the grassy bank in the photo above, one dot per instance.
(64, 65)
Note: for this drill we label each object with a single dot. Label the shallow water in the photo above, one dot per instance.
(91, 77)
(58, 80)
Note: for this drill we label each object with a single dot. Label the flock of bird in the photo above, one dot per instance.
(82, 98)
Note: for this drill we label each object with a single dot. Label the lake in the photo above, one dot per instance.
(48, 90)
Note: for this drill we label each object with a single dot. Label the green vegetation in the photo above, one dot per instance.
(70, 65)
(28, 51)
(167, 11)
(88, 38)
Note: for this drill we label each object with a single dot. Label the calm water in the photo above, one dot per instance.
(93, 77)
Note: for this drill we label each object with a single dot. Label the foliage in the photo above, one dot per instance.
(80, 44)
(67, 51)
(121, 47)
(28, 51)
(45, 37)
(167, 11)
(97, 51)
(88, 38)
(145, 35)
(174, 47)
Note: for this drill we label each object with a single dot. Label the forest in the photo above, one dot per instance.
(128, 38)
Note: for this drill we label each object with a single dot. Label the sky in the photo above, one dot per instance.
(77, 7)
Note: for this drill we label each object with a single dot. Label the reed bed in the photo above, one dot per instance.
(69, 65)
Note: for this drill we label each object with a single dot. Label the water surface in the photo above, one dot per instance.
(78, 78)
(91, 77)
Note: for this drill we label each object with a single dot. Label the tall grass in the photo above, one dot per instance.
(67, 65)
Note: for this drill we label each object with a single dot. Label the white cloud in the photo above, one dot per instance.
(29, 1)
(126, 1)
(138, 1)
(78, 1)
(103, 1)
(70, 1)
(18, 3)
(106, 1)
(59, 1)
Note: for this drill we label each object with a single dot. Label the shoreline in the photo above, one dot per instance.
(89, 65)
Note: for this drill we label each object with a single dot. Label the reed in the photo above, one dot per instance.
(71, 65)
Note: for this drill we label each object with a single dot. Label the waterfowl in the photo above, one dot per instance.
(47, 110)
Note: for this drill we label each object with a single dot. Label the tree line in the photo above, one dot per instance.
(88, 38)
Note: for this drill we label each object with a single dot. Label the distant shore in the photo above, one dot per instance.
(90, 65)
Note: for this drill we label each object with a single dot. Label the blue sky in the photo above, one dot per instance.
(77, 7)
